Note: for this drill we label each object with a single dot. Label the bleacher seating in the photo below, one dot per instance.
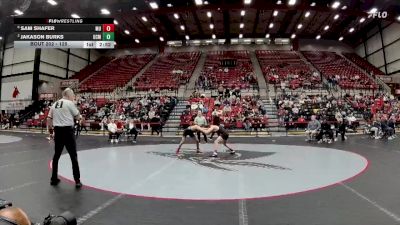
(363, 63)
(168, 72)
(287, 66)
(234, 113)
(90, 69)
(332, 65)
(241, 75)
(116, 73)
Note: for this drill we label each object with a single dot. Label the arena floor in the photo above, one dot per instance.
(271, 181)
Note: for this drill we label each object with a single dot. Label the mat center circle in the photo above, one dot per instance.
(256, 171)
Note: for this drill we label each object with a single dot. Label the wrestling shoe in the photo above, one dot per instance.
(78, 184)
(55, 182)
(214, 155)
(134, 141)
(198, 151)
(232, 152)
(177, 151)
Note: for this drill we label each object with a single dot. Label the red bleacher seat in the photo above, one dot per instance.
(331, 64)
(168, 72)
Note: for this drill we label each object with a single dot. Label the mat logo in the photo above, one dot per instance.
(225, 160)
(380, 15)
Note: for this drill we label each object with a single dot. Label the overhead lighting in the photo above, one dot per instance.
(211, 26)
(267, 36)
(335, 5)
(18, 12)
(362, 20)
(115, 22)
(292, 2)
(105, 12)
(336, 17)
(318, 37)
(205, 2)
(240, 35)
(137, 41)
(52, 2)
(398, 18)
(154, 29)
(209, 14)
(293, 36)
(247, 2)
(279, 2)
(307, 14)
(187, 37)
(373, 10)
(271, 25)
(313, 4)
(74, 15)
(134, 8)
(214, 36)
(144, 19)
(351, 29)
(241, 25)
(341, 39)
(153, 5)
(176, 15)
(182, 27)
(127, 32)
(198, 2)
(326, 27)
(169, 5)
(275, 12)
(299, 26)
(243, 12)
(344, 7)
(1, 38)
(115, 43)
(161, 39)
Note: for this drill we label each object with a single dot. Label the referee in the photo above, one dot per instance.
(61, 116)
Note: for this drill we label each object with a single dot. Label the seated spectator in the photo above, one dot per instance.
(326, 129)
(132, 130)
(114, 132)
(313, 128)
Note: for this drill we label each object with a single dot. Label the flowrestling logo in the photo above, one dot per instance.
(224, 160)
(378, 14)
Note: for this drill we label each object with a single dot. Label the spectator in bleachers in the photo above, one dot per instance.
(201, 121)
(313, 128)
(114, 132)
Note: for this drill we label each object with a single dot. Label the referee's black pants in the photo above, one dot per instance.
(65, 136)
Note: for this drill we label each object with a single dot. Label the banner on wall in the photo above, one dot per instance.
(16, 90)
(385, 78)
(14, 105)
(48, 96)
(71, 83)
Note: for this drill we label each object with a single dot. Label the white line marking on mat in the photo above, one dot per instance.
(382, 209)
(21, 163)
(18, 187)
(97, 210)
(243, 220)
(10, 153)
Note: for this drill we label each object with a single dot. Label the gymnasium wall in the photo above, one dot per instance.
(55, 65)
(381, 47)
(323, 45)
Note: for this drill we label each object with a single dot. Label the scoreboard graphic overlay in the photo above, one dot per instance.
(96, 33)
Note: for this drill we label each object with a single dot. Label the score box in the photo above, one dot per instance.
(108, 36)
(108, 27)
